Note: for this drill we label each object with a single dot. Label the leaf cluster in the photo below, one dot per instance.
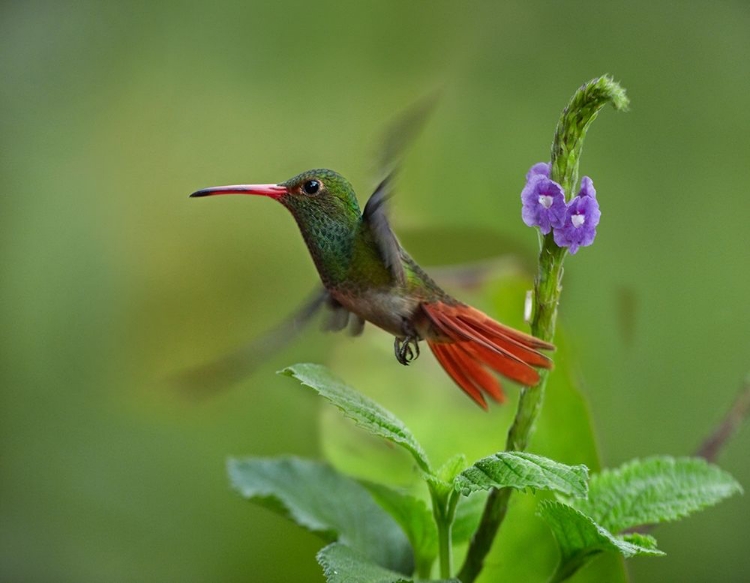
(377, 533)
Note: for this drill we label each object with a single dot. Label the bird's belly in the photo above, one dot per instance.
(383, 308)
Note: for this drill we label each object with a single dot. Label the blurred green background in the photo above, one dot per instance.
(112, 279)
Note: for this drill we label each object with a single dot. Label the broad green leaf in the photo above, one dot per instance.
(653, 490)
(363, 411)
(317, 497)
(415, 519)
(521, 470)
(579, 538)
(342, 564)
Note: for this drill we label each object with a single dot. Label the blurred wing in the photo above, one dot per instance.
(212, 377)
(402, 131)
(399, 134)
(375, 218)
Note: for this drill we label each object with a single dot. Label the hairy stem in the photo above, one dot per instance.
(565, 156)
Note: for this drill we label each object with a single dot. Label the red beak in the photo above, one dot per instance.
(275, 191)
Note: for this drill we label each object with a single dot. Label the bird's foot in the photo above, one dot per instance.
(406, 349)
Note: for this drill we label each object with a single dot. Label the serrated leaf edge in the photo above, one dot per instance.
(626, 549)
(462, 482)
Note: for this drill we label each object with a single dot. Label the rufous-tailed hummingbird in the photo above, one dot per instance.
(368, 276)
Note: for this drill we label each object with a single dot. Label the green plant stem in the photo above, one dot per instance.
(565, 156)
(444, 546)
(547, 291)
(444, 511)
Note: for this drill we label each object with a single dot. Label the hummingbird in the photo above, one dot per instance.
(367, 276)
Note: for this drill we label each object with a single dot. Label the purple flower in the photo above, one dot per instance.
(538, 169)
(543, 201)
(581, 218)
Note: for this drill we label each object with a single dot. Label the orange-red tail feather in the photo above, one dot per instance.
(471, 342)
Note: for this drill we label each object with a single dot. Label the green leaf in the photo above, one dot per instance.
(320, 499)
(468, 513)
(342, 564)
(654, 490)
(520, 470)
(451, 468)
(579, 538)
(441, 482)
(415, 519)
(642, 540)
(363, 411)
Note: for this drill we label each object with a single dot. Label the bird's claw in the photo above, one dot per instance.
(406, 349)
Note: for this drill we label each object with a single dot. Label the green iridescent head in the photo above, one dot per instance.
(319, 188)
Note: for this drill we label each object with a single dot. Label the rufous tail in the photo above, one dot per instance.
(473, 343)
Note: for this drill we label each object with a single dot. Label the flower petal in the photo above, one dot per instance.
(587, 187)
(538, 169)
(581, 218)
(543, 203)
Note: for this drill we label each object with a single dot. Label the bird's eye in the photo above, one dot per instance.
(311, 187)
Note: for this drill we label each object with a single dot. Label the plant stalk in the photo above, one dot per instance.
(444, 512)
(444, 548)
(565, 157)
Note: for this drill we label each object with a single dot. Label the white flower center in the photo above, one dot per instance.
(545, 201)
(577, 220)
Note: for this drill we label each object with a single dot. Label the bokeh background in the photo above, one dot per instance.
(112, 279)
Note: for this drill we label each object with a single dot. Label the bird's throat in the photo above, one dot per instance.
(330, 240)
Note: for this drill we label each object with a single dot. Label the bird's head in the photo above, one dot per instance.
(314, 190)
